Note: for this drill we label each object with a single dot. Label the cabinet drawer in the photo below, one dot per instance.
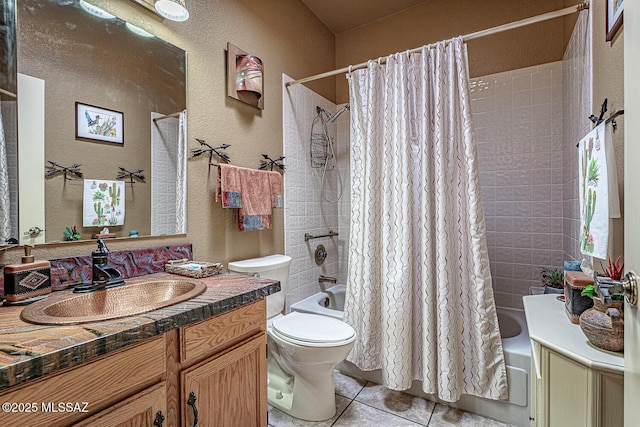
(99, 383)
(138, 410)
(216, 333)
(228, 390)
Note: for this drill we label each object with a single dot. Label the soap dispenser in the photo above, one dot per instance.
(27, 280)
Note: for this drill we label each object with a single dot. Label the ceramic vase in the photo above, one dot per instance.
(604, 325)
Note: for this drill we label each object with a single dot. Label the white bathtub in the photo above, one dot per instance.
(515, 344)
(328, 303)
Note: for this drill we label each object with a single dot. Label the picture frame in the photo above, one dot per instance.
(99, 124)
(614, 11)
(245, 77)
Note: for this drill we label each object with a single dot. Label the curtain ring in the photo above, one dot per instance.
(380, 60)
(350, 69)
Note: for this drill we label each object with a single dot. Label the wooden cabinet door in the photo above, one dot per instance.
(140, 410)
(568, 392)
(229, 389)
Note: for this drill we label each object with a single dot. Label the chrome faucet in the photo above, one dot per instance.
(607, 287)
(102, 274)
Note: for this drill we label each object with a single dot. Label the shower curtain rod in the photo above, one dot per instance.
(500, 28)
(6, 92)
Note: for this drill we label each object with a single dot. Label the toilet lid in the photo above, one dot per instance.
(312, 328)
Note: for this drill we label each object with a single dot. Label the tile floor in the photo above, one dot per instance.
(362, 403)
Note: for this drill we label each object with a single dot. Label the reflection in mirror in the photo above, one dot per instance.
(129, 77)
(8, 128)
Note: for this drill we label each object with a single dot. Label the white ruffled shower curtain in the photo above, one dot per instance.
(419, 286)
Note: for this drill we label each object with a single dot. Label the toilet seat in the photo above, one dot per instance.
(312, 330)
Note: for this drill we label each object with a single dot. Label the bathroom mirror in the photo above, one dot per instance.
(73, 53)
(8, 129)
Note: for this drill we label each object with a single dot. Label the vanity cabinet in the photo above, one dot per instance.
(227, 390)
(567, 393)
(220, 360)
(223, 375)
(147, 408)
(90, 388)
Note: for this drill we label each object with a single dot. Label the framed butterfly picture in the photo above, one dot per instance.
(99, 124)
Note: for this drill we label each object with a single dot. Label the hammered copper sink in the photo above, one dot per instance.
(67, 308)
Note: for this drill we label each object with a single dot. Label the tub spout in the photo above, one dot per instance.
(326, 279)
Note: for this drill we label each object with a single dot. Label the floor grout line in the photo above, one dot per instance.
(393, 413)
(349, 404)
(432, 412)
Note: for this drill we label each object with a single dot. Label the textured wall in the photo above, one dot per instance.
(608, 82)
(576, 110)
(289, 39)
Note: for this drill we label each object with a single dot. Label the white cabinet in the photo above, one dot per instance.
(566, 393)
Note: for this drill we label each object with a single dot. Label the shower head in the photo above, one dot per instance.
(338, 113)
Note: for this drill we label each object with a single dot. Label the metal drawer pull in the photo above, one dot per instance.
(159, 419)
(192, 402)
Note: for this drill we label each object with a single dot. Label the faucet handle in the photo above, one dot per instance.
(102, 247)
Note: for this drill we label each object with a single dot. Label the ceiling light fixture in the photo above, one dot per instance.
(174, 10)
(137, 30)
(95, 10)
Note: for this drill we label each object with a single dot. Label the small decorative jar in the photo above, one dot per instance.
(604, 325)
(574, 303)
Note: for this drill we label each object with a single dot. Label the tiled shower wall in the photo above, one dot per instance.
(9, 122)
(305, 209)
(344, 206)
(164, 134)
(527, 171)
(518, 130)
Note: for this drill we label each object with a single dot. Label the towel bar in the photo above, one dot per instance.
(308, 236)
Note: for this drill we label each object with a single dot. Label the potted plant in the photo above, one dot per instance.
(553, 281)
(614, 269)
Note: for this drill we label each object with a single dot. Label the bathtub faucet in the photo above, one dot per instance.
(326, 279)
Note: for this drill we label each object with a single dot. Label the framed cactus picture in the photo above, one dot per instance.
(103, 203)
(99, 124)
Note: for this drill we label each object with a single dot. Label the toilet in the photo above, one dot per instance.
(303, 348)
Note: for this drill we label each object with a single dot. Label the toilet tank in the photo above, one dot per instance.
(275, 267)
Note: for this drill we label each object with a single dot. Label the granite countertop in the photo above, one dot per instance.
(29, 351)
(548, 324)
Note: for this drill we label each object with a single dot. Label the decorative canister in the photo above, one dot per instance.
(574, 303)
(604, 325)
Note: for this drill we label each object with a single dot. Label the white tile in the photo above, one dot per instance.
(521, 99)
(521, 82)
(408, 407)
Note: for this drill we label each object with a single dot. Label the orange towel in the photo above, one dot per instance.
(253, 192)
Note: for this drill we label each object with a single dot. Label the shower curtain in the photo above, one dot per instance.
(419, 286)
(5, 200)
(181, 175)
